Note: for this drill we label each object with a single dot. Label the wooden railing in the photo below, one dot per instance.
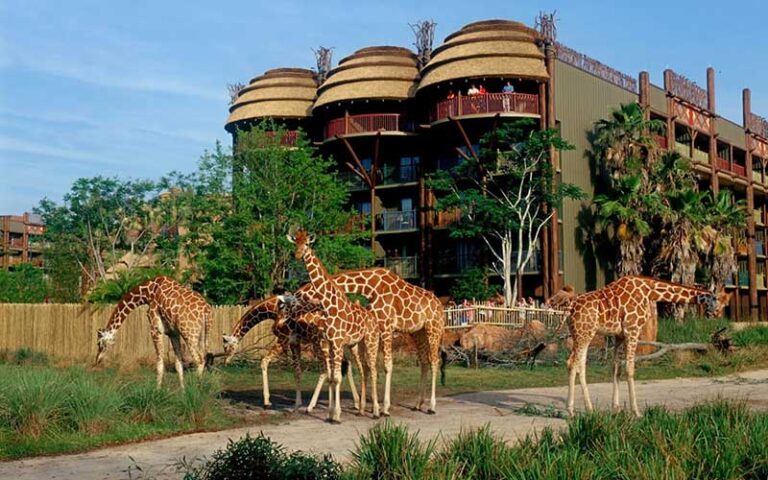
(406, 267)
(661, 141)
(486, 103)
(288, 139)
(396, 220)
(369, 122)
(464, 316)
(723, 164)
(739, 170)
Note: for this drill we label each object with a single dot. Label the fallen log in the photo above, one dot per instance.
(664, 348)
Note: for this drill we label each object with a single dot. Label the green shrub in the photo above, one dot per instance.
(144, 402)
(89, 406)
(30, 402)
(260, 458)
(24, 356)
(477, 454)
(388, 451)
(197, 402)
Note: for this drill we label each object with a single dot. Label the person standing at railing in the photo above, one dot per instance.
(451, 103)
(507, 89)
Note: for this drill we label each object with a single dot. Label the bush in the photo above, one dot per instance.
(198, 400)
(260, 458)
(88, 406)
(30, 403)
(144, 402)
(388, 451)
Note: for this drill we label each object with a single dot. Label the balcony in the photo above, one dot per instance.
(449, 264)
(396, 221)
(389, 175)
(355, 183)
(522, 103)
(723, 164)
(760, 277)
(758, 216)
(661, 141)
(367, 123)
(759, 248)
(739, 170)
(700, 156)
(406, 267)
(683, 149)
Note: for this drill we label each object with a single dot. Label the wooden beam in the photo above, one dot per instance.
(375, 166)
(465, 137)
(359, 164)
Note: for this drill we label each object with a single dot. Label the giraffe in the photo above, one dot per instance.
(344, 324)
(620, 309)
(397, 305)
(174, 310)
(292, 326)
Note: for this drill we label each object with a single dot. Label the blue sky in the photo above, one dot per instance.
(138, 88)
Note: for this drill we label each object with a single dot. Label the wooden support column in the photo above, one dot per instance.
(714, 179)
(370, 179)
(644, 97)
(670, 110)
(754, 306)
(553, 252)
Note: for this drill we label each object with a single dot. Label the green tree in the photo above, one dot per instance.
(23, 284)
(505, 194)
(473, 285)
(239, 240)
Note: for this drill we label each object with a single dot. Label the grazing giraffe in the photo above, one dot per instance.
(397, 305)
(620, 309)
(174, 310)
(292, 327)
(344, 324)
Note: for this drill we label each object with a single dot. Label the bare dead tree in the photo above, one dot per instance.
(324, 57)
(234, 91)
(425, 36)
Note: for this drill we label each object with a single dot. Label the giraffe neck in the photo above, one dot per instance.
(674, 293)
(139, 295)
(266, 310)
(326, 290)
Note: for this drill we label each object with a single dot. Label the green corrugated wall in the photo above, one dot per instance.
(580, 100)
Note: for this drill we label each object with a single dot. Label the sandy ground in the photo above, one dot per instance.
(303, 432)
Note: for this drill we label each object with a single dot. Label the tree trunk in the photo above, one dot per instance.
(631, 253)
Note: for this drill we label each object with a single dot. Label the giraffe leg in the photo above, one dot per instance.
(422, 349)
(371, 349)
(296, 357)
(351, 379)
(434, 358)
(273, 353)
(387, 344)
(630, 355)
(583, 377)
(334, 414)
(156, 330)
(617, 371)
(365, 376)
(176, 344)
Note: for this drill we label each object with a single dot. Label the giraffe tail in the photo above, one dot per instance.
(207, 357)
(443, 362)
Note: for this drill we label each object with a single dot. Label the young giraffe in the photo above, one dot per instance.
(620, 309)
(174, 310)
(397, 305)
(292, 327)
(344, 324)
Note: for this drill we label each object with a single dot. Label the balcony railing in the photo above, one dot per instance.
(759, 248)
(760, 277)
(406, 267)
(723, 164)
(355, 183)
(739, 170)
(661, 141)
(486, 103)
(400, 174)
(288, 139)
(758, 216)
(453, 263)
(700, 156)
(370, 122)
(683, 149)
(394, 221)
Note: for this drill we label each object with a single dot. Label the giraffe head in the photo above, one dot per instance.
(231, 346)
(714, 302)
(104, 339)
(285, 303)
(302, 240)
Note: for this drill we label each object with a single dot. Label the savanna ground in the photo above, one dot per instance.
(47, 409)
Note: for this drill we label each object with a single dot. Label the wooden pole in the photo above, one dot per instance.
(554, 230)
(751, 227)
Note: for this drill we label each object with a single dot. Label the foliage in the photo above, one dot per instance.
(101, 219)
(473, 285)
(751, 336)
(504, 194)
(23, 284)
(261, 458)
(389, 451)
(111, 291)
(241, 239)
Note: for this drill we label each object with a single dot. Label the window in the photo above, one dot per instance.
(363, 207)
(406, 204)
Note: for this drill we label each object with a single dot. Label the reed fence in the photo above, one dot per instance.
(68, 331)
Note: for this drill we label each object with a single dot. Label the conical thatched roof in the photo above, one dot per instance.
(491, 48)
(371, 73)
(279, 93)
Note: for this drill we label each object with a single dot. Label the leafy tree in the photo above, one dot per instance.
(238, 240)
(111, 291)
(505, 194)
(726, 221)
(23, 284)
(473, 285)
(99, 221)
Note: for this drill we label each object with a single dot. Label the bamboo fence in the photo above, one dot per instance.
(67, 332)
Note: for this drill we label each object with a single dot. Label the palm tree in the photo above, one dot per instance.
(624, 140)
(621, 214)
(726, 219)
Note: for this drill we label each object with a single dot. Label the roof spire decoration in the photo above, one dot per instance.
(545, 24)
(234, 91)
(425, 36)
(324, 56)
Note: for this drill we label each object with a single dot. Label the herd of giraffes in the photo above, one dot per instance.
(321, 315)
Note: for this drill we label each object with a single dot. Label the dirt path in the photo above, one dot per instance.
(454, 413)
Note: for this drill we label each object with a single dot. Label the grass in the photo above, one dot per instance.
(48, 410)
(712, 440)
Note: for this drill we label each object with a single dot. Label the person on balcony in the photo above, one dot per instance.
(481, 90)
(507, 88)
(474, 101)
(451, 103)
(473, 90)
